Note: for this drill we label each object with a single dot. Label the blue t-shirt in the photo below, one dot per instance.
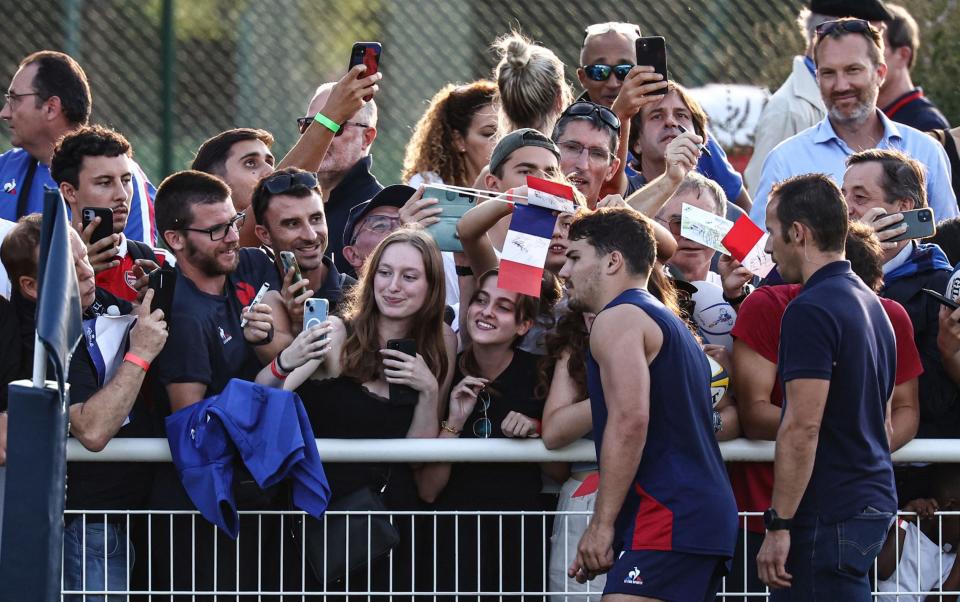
(206, 341)
(13, 171)
(681, 498)
(836, 330)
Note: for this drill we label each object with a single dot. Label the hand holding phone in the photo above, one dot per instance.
(289, 260)
(453, 205)
(163, 282)
(315, 312)
(403, 394)
(104, 228)
(652, 51)
(919, 223)
(367, 54)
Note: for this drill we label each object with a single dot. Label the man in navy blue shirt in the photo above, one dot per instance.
(833, 494)
(664, 524)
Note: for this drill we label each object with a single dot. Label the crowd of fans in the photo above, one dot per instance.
(489, 362)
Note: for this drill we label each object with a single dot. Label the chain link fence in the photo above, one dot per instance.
(170, 73)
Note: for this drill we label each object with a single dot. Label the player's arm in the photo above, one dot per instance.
(797, 439)
(753, 380)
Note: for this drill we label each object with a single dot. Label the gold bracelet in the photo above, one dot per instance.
(445, 426)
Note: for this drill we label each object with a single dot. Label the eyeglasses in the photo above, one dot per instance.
(283, 182)
(13, 97)
(482, 427)
(601, 73)
(587, 109)
(304, 122)
(673, 224)
(570, 149)
(219, 232)
(844, 25)
(378, 224)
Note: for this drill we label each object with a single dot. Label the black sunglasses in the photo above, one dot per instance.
(587, 109)
(283, 182)
(601, 73)
(304, 122)
(843, 25)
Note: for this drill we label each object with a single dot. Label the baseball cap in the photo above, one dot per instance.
(391, 196)
(868, 10)
(519, 139)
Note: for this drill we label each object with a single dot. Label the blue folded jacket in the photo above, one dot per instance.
(269, 429)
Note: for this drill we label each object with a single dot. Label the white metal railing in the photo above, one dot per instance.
(482, 450)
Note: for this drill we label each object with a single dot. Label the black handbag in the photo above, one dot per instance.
(371, 536)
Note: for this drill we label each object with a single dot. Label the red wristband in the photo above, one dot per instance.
(276, 371)
(537, 426)
(136, 360)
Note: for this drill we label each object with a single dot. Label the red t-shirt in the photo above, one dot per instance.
(119, 280)
(758, 327)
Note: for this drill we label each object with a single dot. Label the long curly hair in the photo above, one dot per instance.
(431, 147)
(361, 358)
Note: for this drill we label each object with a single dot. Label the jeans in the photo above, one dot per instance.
(832, 561)
(100, 559)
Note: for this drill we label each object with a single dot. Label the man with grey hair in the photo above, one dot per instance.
(797, 104)
(344, 174)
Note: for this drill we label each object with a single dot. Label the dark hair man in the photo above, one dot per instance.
(850, 68)
(797, 104)
(101, 408)
(588, 136)
(660, 531)
(93, 168)
(833, 477)
(49, 97)
(900, 99)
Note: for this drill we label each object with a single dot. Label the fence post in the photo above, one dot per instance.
(167, 75)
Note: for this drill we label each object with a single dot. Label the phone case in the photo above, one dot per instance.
(945, 301)
(163, 281)
(920, 224)
(402, 394)
(288, 260)
(366, 53)
(315, 312)
(454, 205)
(653, 51)
(104, 228)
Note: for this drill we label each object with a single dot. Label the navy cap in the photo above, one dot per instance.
(519, 139)
(391, 196)
(868, 10)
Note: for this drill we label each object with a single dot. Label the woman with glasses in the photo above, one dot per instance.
(493, 398)
(453, 140)
(345, 382)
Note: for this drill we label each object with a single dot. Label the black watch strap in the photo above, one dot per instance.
(773, 522)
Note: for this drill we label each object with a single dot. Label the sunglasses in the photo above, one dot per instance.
(601, 73)
(587, 109)
(844, 25)
(482, 427)
(281, 183)
(304, 122)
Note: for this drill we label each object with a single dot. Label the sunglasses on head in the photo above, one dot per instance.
(843, 25)
(587, 109)
(281, 183)
(304, 122)
(601, 73)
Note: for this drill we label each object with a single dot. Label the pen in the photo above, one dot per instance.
(257, 299)
(702, 148)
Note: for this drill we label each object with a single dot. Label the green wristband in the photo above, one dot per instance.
(327, 122)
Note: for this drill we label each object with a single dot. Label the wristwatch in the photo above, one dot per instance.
(746, 290)
(773, 522)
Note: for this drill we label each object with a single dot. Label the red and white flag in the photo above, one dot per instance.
(746, 243)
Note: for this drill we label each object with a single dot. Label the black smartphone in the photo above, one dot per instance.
(920, 224)
(946, 301)
(289, 260)
(652, 51)
(402, 394)
(163, 281)
(104, 228)
(366, 53)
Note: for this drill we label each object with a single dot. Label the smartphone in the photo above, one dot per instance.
(366, 53)
(163, 281)
(289, 260)
(315, 312)
(454, 205)
(920, 224)
(652, 51)
(402, 394)
(946, 301)
(104, 228)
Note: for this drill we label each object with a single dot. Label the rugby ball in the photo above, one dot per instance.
(719, 381)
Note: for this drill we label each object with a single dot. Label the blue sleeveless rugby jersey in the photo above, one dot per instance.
(681, 498)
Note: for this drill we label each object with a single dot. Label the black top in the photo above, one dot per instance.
(341, 408)
(916, 110)
(498, 485)
(206, 343)
(9, 348)
(357, 186)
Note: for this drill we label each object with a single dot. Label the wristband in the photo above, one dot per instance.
(328, 123)
(446, 426)
(273, 368)
(280, 364)
(136, 360)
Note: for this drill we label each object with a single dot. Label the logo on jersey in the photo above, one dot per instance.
(225, 337)
(633, 577)
(245, 293)
(11, 186)
(130, 279)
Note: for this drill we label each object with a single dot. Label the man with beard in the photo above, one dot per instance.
(850, 70)
(657, 530)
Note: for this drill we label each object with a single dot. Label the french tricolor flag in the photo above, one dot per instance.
(528, 239)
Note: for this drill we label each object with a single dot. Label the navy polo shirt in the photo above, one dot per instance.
(836, 330)
(335, 287)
